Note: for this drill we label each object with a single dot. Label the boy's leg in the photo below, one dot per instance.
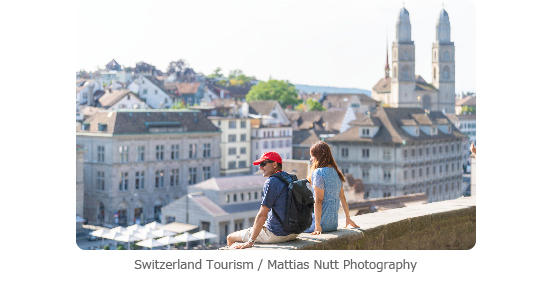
(234, 237)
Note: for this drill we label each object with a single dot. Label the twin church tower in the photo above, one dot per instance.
(402, 88)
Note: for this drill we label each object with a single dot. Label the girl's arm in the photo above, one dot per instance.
(345, 206)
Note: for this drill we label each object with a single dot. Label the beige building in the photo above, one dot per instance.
(401, 151)
(80, 184)
(235, 144)
(137, 161)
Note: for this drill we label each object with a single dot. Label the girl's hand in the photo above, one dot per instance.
(317, 230)
(349, 221)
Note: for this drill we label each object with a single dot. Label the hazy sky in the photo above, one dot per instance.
(323, 43)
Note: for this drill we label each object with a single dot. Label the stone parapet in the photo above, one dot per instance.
(445, 225)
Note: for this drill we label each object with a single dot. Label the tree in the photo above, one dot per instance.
(313, 105)
(280, 90)
(178, 105)
(237, 77)
(177, 67)
(216, 73)
(301, 107)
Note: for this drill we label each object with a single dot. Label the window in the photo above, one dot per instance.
(173, 177)
(232, 165)
(100, 180)
(405, 154)
(123, 181)
(243, 150)
(243, 138)
(227, 198)
(231, 137)
(288, 143)
(265, 145)
(193, 151)
(232, 124)
(427, 171)
(446, 149)
(345, 152)
(427, 151)
(145, 91)
(242, 197)
(281, 144)
(256, 195)
(207, 150)
(242, 164)
(235, 197)
(420, 173)
(345, 170)
(249, 196)
(413, 152)
(405, 176)
(434, 170)
(242, 124)
(273, 143)
(365, 174)
(206, 172)
(141, 153)
(386, 175)
(365, 153)
(420, 152)
(139, 180)
(175, 152)
(159, 152)
(231, 151)
(413, 174)
(159, 179)
(192, 175)
(452, 148)
(440, 169)
(386, 154)
(446, 168)
(434, 151)
(365, 131)
(101, 154)
(440, 149)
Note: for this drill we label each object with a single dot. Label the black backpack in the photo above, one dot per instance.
(299, 205)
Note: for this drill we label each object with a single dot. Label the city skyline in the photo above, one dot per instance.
(286, 41)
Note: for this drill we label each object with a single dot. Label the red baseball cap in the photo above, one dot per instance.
(273, 156)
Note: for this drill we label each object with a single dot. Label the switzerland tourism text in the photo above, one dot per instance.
(270, 264)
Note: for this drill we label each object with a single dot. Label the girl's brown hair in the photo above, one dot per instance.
(323, 158)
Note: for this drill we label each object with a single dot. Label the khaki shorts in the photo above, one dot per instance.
(265, 236)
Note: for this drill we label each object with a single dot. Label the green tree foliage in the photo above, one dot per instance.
(280, 90)
(468, 109)
(313, 105)
(237, 77)
(177, 67)
(216, 73)
(178, 105)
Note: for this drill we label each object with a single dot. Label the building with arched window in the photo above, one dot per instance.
(403, 88)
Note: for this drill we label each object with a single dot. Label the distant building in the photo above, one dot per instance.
(466, 105)
(401, 87)
(152, 91)
(360, 103)
(137, 161)
(121, 99)
(235, 144)
(270, 129)
(220, 205)
(80, 180)
(466, 124)
(87, 91)
(401, 151)
(190, 93)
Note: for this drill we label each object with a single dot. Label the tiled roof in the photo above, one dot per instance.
(392, 120)
(111, 97)
(466, 117)
(343, 100)
(208, 205)
(304, 137)
(183, 87)
(384, 85)
(139, 121)
(366, 120)
(242, 182)
(262, 107)
(333, 120)
(466, 101)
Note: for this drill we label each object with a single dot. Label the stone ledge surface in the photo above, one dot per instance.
(378, 230)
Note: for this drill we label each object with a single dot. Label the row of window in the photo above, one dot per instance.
(387, 173)
(468, 125)
(420, 151)
(232, 150)
(159, 152)
(243, 197)
(268, 134)
(434, 190)
(159, 182)
(274, 144)
(232, 124)
(232, 138)
(241, 164)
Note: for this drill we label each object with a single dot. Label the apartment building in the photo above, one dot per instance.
(401, 151)
(137, 161)
(235, 144)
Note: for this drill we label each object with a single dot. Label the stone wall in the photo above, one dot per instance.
(445, 225)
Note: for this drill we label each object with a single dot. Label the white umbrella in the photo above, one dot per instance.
(153, 225)
(162, 233)
(145, 235)
(135, 227)
(111, 235)
(127, 238)
(204, 235)
(118, 229)
(186, 237)
(100, 232)
(168, 240)
(149, 243)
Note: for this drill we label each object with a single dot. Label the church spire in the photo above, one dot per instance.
(387, 57)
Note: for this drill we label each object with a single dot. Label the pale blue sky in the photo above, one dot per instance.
(324, 43)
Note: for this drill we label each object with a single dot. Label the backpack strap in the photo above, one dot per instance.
(285, 187)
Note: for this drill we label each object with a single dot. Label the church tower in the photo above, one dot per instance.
(402, 71)
(443, 71)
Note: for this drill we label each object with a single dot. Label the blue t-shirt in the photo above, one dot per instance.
(327, 179)
(275, 198)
